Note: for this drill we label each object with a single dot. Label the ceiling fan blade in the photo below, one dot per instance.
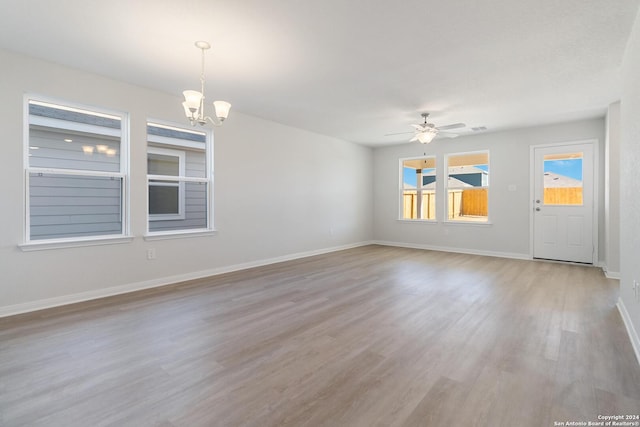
(452, 126)
(398, 133)
(420, 128)
(415, 138)
(448, 135)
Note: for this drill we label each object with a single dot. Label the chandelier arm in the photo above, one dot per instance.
(214, 121)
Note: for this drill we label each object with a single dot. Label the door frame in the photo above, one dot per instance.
(596, 191)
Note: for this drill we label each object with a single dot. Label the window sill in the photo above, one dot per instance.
(63, 244)
(470, 223)
(177, 234)
(417, 221)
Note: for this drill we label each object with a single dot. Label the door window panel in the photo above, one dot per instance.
(562, 179)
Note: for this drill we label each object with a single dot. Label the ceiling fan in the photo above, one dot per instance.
(426, 132)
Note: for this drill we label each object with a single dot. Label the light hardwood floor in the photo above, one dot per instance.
(372, 336)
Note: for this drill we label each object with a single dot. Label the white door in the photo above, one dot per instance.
(563, 203)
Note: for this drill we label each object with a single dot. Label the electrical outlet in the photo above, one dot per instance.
(151, 253)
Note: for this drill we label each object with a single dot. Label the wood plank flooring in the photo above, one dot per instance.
(372, 336)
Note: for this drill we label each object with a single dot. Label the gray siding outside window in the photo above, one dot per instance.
(64, 206)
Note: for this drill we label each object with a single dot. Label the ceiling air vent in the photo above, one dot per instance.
(479, 129)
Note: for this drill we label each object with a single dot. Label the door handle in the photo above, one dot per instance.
(537, 209)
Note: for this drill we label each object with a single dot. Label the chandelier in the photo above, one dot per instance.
(194, 101)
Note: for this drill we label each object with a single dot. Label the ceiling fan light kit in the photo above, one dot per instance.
(425, 136)
(194, 100)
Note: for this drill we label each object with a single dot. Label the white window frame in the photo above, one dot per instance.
(401, 189)
(123, 173)
(445, 197)
(180, 154)
(174, 143)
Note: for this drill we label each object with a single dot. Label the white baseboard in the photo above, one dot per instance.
(455, 250)
(611, 274)
(633, 335)
(27, 307)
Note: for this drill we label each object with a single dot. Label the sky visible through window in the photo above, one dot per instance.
(409, 175)
(568, 167)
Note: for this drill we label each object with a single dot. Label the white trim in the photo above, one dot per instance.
(177, 178)
(464, 222)
(178, 234)
(76, 172)
(633, 335)
(40, 245)
(610, 274)
(163, 281)
(125, 169)
(511, 255)
(209, 155)
(418, 221)
(615, 275)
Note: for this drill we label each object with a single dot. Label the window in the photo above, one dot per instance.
(468, 187)
(563, 179)
(418, 188)
(166, 198)
(178, 177)
(75, 173)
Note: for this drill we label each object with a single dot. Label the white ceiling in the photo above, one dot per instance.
(352, 69)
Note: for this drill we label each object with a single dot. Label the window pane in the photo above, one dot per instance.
(68, 138)
(63, 206)
(195, 210)
(467, 184)
(469, 204)
(419, 188)
(563, 179)
(58, 149)
(160, 164)
(164, 199)
(191, 142)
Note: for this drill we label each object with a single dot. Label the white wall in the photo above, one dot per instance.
(279, 192)
(509, 211)
(630, 185)
(612, 192)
